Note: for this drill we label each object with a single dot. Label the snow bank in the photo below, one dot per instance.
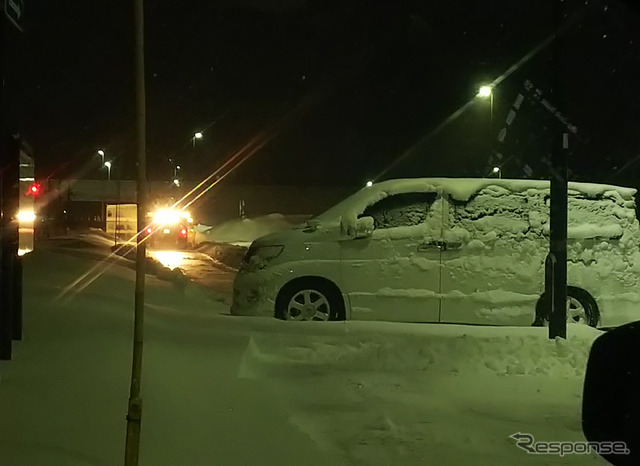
(242, 231)
(442, 349)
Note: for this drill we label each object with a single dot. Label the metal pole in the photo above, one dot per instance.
(134, 414)
(559, 201)
(9, 180)
(491, 119)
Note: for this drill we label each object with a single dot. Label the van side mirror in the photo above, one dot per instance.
(611, 396)
(363, 227)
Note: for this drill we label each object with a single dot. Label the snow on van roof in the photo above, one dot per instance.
(461, 189)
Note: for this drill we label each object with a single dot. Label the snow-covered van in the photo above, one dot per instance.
(448, 250)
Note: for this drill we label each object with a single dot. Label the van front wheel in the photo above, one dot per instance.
(309, 299)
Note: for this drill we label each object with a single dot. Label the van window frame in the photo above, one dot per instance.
(433, 197)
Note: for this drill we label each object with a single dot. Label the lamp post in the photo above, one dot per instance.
(101, 154)
(498, 171)
(108, 165)
(196, 136)
(486, 92)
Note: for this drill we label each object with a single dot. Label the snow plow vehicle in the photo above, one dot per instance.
(166, 228)
(170, 228)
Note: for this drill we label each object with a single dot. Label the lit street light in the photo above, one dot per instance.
(369, 184)
(485, 91)
(196, 137)
(101, 154)
(176, 182)
(108, 165)
(498, 171)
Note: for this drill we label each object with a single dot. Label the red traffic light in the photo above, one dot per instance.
(34, 189)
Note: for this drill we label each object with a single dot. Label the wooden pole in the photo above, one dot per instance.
(134, 414)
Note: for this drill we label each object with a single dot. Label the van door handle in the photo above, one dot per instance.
(430, 246)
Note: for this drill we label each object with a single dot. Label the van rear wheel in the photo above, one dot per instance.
(581, 308)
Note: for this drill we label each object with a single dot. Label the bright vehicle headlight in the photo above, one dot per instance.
(26, 216)
(166, 217)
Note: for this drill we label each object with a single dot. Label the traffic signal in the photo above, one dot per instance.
(34, 190)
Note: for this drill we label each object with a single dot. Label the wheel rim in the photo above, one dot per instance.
(575, 311)
(308, 305)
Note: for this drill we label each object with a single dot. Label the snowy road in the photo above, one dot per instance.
(227, 390)
(200, 268)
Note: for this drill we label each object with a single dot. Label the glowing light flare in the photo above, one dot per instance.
(166, 217)
(34, 189)
(169, 259)
(496, 169)
(485, 91)
(369, 184)
(26, 216)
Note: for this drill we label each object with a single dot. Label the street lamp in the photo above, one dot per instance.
(101, 154)
(108, 165)
(498, 171)
(195, 137)
(484, 91)
(176, 182)
(487, 92)
(369, 184)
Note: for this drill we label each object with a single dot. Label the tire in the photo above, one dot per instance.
(310, 299)
(582, 308)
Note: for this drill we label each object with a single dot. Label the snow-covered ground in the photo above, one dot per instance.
(227, 390)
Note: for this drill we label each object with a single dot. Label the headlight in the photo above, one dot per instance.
(26, 216)
(166, 217)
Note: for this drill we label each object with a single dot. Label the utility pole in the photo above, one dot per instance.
(134, 413)
(556, 276)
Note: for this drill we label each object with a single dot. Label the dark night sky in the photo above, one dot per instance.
(341, 87)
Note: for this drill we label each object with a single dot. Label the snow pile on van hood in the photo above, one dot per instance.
(242, 231)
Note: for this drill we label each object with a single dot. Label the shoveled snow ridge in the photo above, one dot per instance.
(433, 348)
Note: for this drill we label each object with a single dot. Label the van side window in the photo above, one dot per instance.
(400, 210)
(504, 215)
